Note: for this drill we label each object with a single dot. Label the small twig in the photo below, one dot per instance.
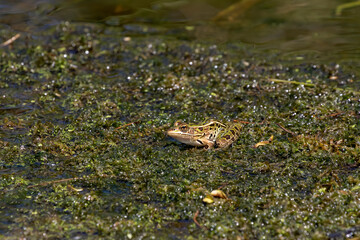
(262, 122)
(286, 130)
(11, 40)
(68, 180)
(128, 124)
(55, 181)
(335, 114)
(245, 122)
(235, 10)
(291, 82)
(330, 115)
(223, 186)
(196, 222)
(310, 85)
(339, 9)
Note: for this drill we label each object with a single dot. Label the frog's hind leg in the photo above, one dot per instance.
(229, 137)
(226, 141)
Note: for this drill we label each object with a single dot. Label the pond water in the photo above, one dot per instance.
(89, 88)
(328, 29)
(321, 26)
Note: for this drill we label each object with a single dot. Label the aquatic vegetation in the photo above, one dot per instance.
(84, 151)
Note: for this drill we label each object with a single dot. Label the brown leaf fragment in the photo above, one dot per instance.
(219, 194)
(263, 143)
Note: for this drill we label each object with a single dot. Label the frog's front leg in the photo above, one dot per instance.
(208, 144)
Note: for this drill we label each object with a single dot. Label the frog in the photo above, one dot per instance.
(211, 134)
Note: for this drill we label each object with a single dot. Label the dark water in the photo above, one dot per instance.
(290, 26)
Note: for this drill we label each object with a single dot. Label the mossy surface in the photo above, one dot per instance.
(83, 150)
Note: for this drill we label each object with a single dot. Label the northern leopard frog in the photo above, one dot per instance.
(210, 134)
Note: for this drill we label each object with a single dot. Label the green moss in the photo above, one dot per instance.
(85, 155)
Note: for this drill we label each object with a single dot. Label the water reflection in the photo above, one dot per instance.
(273, 24)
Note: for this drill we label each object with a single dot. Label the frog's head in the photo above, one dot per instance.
(184, 133)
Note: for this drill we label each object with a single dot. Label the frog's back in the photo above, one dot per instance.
(231, 134)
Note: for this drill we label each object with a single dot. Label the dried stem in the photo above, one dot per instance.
(196, 222)
(11, 40)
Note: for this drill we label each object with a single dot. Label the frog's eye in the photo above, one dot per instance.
(177, 123)
(184, 128)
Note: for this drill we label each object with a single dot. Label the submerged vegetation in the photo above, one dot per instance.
(83, 150)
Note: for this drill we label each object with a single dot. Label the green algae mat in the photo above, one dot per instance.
(84, 153)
